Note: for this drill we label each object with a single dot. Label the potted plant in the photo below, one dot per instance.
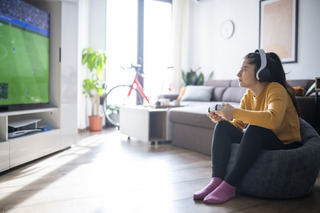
(193, 78)
(93, 86)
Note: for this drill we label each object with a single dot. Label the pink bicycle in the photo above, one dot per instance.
(121, 95)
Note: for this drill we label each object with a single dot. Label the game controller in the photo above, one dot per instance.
(215, 108)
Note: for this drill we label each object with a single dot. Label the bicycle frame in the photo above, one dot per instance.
(139, 88)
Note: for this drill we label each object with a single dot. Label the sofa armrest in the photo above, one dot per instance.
(168, 96)
(308, 110)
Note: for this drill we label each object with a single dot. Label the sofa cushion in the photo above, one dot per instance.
(226, 90)
(233, 94)
(192, 115)
(219, 87)
(217, 93)
(197, 93)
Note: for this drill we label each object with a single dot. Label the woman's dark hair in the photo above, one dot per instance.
(277, 72)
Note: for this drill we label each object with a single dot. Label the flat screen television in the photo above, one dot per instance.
(24, 54)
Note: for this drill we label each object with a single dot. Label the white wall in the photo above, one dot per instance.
(97, 24)
(224, 56)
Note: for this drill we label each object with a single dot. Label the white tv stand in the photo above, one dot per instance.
(19, 150)
(62, 116)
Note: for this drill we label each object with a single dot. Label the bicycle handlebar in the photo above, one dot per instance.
(135, 67)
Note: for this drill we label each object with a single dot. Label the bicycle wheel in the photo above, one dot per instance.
(117, 97)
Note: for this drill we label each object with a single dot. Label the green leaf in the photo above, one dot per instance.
(200, 79)
(192, 77)
(211, 75)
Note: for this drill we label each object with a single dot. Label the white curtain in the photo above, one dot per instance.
(181, 13)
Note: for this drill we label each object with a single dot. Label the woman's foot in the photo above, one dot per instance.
(214, 183)
(221, 194)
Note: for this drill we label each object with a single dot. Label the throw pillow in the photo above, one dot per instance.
(299, 91)
(197, 93)
(182, 91)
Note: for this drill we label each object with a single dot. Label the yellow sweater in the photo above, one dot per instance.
(272, 109)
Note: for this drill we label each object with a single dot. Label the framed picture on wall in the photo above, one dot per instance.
(278, 28)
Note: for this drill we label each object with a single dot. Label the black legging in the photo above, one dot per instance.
(252, 140)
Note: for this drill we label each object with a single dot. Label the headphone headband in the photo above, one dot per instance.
(263, 58)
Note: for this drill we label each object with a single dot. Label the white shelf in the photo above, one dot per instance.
(28, 111)
(18, 150)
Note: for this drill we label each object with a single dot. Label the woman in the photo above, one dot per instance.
(266, 119)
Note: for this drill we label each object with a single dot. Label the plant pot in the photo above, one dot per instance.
(95, 123)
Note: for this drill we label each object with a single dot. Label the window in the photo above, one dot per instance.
(157, 46)
(153, 49)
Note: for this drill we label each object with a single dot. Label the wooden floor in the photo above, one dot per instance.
(104, 172)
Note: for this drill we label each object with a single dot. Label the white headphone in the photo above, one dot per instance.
(263, 73)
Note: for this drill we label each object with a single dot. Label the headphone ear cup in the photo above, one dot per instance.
(264, 75)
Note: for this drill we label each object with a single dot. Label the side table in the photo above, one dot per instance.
(145, 123)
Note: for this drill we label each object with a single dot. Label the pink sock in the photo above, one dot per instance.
(221, 194)
(214, 183)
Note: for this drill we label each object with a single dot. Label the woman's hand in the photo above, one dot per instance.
(226, 113)
(214, 117)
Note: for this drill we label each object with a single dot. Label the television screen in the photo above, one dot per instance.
(24, 54)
